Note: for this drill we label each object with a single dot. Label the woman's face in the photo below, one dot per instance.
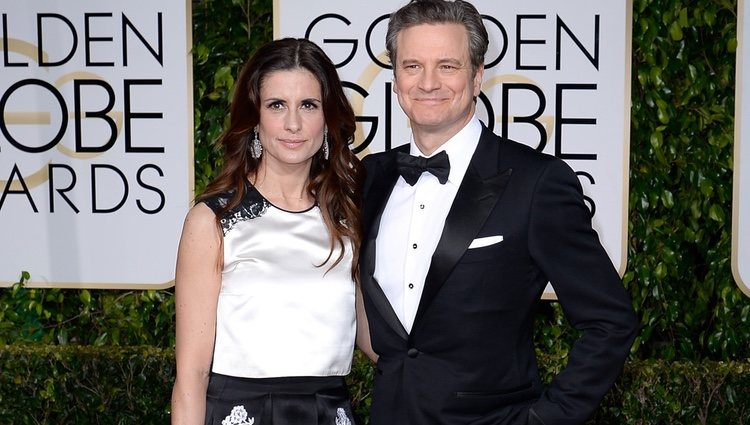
(291, 118)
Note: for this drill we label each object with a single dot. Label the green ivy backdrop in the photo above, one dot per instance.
(678, 271)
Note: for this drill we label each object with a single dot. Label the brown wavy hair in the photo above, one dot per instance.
(334, 183)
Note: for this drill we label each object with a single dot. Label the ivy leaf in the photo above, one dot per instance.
(85, 297)
(675, 31)
(716, 213)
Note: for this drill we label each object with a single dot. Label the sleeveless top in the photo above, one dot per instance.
(279, 312)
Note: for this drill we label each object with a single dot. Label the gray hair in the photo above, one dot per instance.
(418, 12)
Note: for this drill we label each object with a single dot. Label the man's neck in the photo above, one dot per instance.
(428, 141)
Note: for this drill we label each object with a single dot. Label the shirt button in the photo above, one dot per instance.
(421, 206)
(414, 246)
(411, 286)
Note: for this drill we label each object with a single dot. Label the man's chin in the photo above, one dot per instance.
(428, 122)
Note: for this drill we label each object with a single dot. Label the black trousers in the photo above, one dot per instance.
(278, 401)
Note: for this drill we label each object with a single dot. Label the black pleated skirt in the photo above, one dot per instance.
(278, 401)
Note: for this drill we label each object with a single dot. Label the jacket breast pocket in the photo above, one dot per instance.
(484, 253)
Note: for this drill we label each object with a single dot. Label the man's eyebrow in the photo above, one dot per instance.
(447, 60)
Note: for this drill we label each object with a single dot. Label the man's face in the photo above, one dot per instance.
(433, 78)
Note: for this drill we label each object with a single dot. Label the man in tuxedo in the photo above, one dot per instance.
(463, 229)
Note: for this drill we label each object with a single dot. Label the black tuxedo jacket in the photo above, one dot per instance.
(469, 358)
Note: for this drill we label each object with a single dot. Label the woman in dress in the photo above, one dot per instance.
(266, 272)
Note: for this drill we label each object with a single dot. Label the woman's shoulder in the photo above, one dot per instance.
(200, 219)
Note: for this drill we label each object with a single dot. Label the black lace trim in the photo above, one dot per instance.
(253, 205)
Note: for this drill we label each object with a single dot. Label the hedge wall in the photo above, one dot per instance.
(132, 385)
(682, 124)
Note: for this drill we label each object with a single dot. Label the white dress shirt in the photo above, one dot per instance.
(412, 224)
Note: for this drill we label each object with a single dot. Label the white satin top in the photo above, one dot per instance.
(278, 314)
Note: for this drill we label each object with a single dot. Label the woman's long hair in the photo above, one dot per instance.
(334, 183)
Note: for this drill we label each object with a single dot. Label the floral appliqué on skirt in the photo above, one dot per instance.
(239, 417)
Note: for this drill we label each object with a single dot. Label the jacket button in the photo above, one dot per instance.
(413, 352)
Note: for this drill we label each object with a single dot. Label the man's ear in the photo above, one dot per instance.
(478, 80)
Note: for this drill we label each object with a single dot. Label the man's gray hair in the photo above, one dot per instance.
(418, 12)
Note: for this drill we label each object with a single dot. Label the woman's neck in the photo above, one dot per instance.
(285, 190)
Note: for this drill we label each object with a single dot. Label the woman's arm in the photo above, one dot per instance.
(363, 329)
(197, 284)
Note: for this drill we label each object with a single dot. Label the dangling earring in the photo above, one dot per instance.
(325, 143)
(256, 149)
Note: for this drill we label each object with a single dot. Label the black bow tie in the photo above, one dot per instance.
(411, 167)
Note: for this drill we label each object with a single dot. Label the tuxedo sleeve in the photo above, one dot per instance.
(567, 250)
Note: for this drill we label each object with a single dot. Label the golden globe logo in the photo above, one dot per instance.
(96, 164)
(73, 119)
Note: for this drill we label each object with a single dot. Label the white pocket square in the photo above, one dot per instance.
(486, 241)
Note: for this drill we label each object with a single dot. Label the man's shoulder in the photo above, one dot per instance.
(380, 157)
(525, 160)
(513, 150)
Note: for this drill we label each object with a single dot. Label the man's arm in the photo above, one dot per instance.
(568, 251)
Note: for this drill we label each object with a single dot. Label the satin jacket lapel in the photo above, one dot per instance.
(375, 200)
(480, 189)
